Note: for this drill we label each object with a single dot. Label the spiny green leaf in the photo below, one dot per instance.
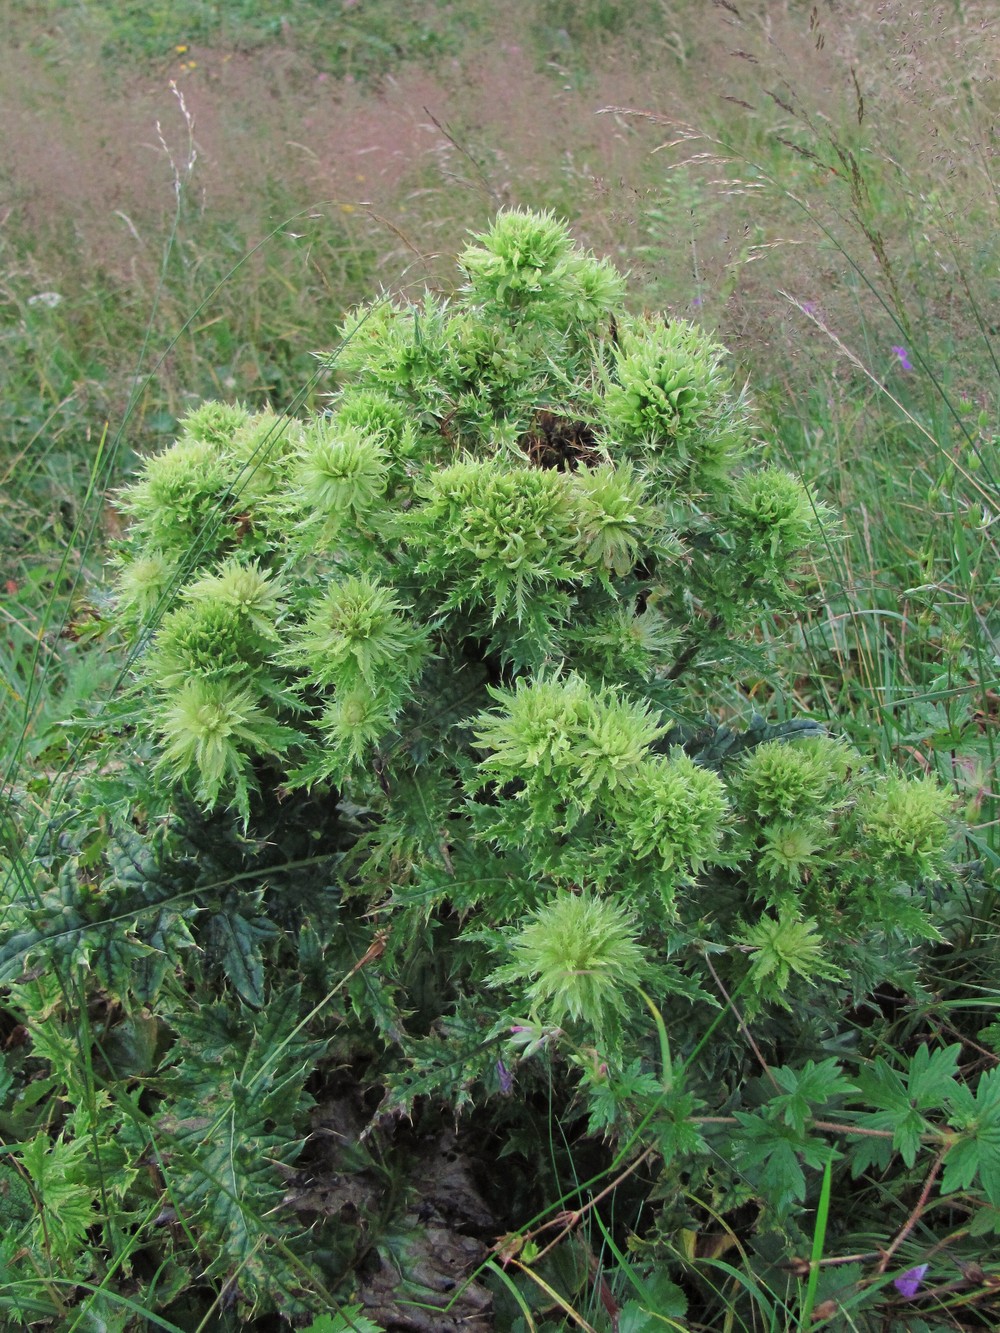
(235, 933)
(237, 1098)
(66, 1202)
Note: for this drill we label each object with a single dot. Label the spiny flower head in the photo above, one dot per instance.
(621, 644)
(374, 415)
(674, 810)
(261, 453)
(497, 372)
(518, 253)
(775, 520)
(358, 634)
(225, 625)
(578, 958)
(207, 638)
(144, 587)
(593, 288)
(214, 422)
(210, 730)
(791, 849)
(341, 477)
(250, 591)
(563, 732)
(497, 535)
(403, 351)
(781, 948)
(907, 820)
(357, 719)
(788, 780)
(181, 500)
(672, 396)
(613, 516)
(527, 264)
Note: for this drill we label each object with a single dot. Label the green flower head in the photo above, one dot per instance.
(907, 819)
(517, 255)
(203, 638)
(781, 780)
(672, 402)
(210, 731)
(356, 721)
(224, 626)
(578, 958)
(498, 536)
(182, 499)
(401, 351)
(261, 454)
(214, 422)
(675, 811)
(373, 415)
(590, 742)
(527, 264)
(792, 849)
(249, 591)
(612, 515)
(342, 476)
(775, 522)
(358, 634)
(144, 588)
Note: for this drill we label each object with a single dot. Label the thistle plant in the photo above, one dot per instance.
(546, 514)
(455, 638)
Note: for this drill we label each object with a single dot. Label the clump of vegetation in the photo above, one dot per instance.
(411, 803)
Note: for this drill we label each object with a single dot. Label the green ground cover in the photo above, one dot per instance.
(197, 196)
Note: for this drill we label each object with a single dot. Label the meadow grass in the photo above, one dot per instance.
(859, 174)
(815, 188)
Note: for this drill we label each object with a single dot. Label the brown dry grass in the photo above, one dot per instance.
(85, 156)
(785, 96)
(849, 153)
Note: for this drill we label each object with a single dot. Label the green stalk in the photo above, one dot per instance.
(819, 1239)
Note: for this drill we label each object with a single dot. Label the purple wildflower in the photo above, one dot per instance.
(909, 1284)
(904, 360)
(506, 1078)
